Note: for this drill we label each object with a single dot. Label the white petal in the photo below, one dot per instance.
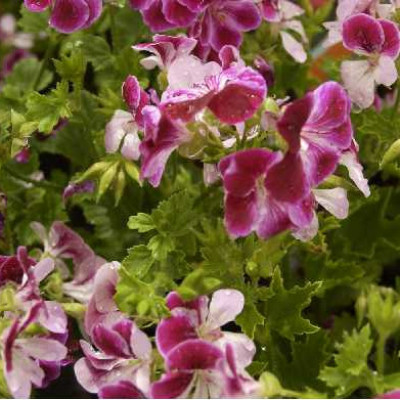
(116, 130)
(43, 349)
(293, 47)
(333, 200)
(244, 348)
(349, 160)
(290, 10)
(309, 232)
(225, 305)
(358, 79)
(386, 72)
(43, 268)
(140, 344)
(130, 148)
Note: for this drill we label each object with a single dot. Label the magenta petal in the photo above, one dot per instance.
(120, 390)
(363, 33)
(95, 9)
(287, 181)
(242, 15)
(110, 342)
(161, 138)
(270, 10)
(135, 98)
(194, 354)
(293, 119)
(241, 214)
(275, 220)
(172, 385)
(241, 97)
(37, 5)
(330, 116)
(391, 45)
(174, 330)
(177, 13)
(221, 35)
(153, 17)
(69, 15)
(320, 162)
(395, 394)
(247, 166)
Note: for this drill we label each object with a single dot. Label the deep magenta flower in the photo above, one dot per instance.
(63, 243)
(318, 128)
(379, 41)
(265, 193)
(162, 136)
(135, 98)
(214, 23)
(68, 16)
(231, 91)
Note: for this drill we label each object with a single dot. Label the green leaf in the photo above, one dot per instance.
(141, 222)
(138, 261)
(351, 363)
(46, 110)
(97, 51)
(33, 22)
(160, 246)
(249, 318)
(283, 308)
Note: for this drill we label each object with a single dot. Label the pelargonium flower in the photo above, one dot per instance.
(124, 351)
(122, 135)
(318, 128)
(11, 59)
(63, 243)
(123, 354)
(74, 188)
(379, 40)
(10, 36)
(334, 201)
(162, 136)
(281, 15)
(24, 357)
(68, 16)
(214, 23)
(135, 98)
(231, 91)
(193, 345)
(165, 50)
(256, 199)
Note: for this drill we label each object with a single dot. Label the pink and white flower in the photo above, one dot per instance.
(63, 243)
(123, 351)
(281, 14)
(379, 41)
(25, 358)
(194, 346)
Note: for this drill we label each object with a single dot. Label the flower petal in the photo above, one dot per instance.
(225, 306)
(333, 200)
(172, 385)
(120, 390)
(69, 15)
(193, 354)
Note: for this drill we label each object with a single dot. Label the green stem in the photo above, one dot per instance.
(42, 184)
(380, 354)
(385, 204)
(45, 60)
(113, 26)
